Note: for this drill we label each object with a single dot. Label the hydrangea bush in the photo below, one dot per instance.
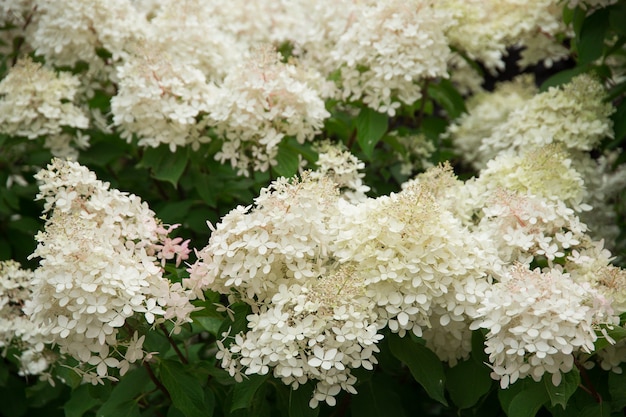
(296, 208)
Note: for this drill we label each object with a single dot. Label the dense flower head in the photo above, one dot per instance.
(537, 321)
(98, 267)
(15, 328)
(161, 100)
(525, 227)
(310, 318)
(260, 102)
(546, 171)
(36, 101)
(485, 29)
(66, 32)
(575, 115)
(192, 31)
(388, 48)
(343, 168)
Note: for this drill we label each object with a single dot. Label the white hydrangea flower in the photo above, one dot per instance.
(311, 318)
(259, 103)
(191, 31)
(575, 115)
(526, 226)
(343, 169)
(537, 321)
(15, 328)
(97, 268)
(547, 172)
(485, 29)
(415, 256)
(387, 49)
(36, 101)
(161, 100)
(66, 32)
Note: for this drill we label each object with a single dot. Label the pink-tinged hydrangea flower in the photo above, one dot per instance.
(538, 322)
(98, 267)
(260, 102)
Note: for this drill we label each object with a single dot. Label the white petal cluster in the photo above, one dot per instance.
(97, 269)
(536, 321)
(546, 171)
(485, 29)
(68, 32)
(194, 32)
(161, 100)
(343, 168)
(323, 275)
(526, 227)
(389, 47)
(575, 115)
(15, 328)
(259, 103)
(36, 101)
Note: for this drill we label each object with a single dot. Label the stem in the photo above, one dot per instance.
(588, 387)
(182, 357)
(156, 381)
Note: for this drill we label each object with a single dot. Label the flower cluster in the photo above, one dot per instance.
(575, 115)
(98, 268)
(388, 48)
(16, 330)
(260, 102)
(35, 101)
(535, 321)
(486, 29)
(161, 101)
(323, 274)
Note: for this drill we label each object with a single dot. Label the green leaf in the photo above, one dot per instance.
(128, 408)
(370, 128)
(80, 402)
(619, 124)
(592, 35)
(130, 386)
(617, 18)
(244, 391)
(287, 160)
(166, 165)
(376, 398)
(16, 406)
(210, 324)
(596, 410)
(448, 97)
(424, 365)
(185, 390)
(617, 389)
(207, 189)
(299, 402)
(528, 400)
(463, 393)
(561, 77)
(568, 386)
